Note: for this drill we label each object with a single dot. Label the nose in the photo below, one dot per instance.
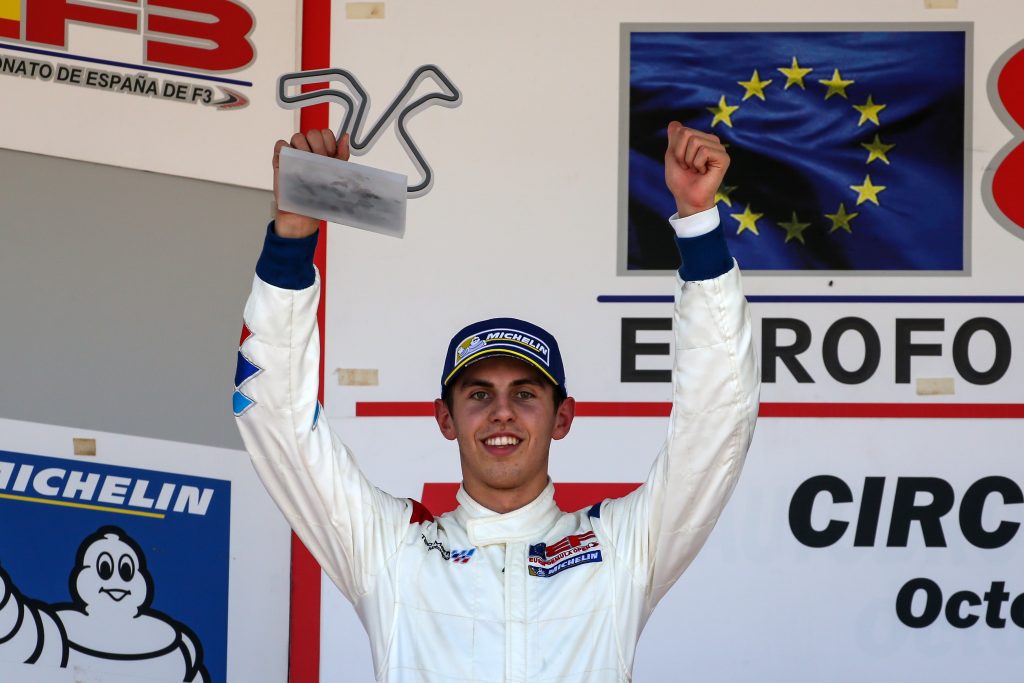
(502, 409)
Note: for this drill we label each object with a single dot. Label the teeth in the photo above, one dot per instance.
(502, 441)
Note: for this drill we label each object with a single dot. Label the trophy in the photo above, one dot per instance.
(348, 193)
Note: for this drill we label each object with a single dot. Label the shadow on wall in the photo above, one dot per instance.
(123, 297)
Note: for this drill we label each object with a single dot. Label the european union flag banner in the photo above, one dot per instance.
(847, 146)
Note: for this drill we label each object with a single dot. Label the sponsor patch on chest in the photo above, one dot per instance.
(460, 556)
(573, 550)
(456, 555)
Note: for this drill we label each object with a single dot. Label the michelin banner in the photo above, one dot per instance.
(112, 615)
(138, 563)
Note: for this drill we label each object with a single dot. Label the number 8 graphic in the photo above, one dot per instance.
(1004, 177)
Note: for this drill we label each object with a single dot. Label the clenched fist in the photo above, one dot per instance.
(695, 165)
(323, 142)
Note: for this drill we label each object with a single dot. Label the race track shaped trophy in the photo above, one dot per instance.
(348, 193)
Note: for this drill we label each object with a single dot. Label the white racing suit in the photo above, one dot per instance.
(537, 594)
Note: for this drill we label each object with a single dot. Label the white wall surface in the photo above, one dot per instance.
(522, 221)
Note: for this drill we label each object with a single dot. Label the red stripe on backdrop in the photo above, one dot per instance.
(897, 410)
(871, 410)
(304, 643)
(394, 409)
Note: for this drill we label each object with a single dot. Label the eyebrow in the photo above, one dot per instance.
(490, 385)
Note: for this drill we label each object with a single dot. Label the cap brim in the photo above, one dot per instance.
(481, 355)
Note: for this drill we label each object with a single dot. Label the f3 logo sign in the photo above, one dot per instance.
(203, 35)
(1005, 175)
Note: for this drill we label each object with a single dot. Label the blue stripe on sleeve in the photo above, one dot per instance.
(704, 257)
(287, 262)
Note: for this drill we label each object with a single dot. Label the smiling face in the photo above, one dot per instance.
(109, 578)
(503, 416)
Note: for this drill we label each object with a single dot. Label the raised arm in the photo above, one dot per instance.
(662, 525)
(349, 525)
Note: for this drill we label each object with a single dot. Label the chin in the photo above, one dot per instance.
(500, 483)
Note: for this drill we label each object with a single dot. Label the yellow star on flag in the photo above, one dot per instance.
(867, 192)
(876, 150)
(836, 85)
(722, 112)
(723, 194)
(794, 229)
(841, 219)
(869, 111)
(754, 87)
(747, 220)
(795, 74)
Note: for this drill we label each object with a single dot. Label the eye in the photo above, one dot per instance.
(105, 566)
(478, 395)
(525, 394)
(126, 567)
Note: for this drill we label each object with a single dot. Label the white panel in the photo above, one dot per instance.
(522, 217)
(757, 604)
(147, 131)
(522, 221)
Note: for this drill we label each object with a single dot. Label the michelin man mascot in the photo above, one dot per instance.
(108, 626)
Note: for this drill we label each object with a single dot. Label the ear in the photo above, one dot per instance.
(445, 422)
(563, 418)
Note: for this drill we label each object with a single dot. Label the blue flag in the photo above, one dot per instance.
(847, 146)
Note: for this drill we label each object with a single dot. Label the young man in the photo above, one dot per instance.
(507, 587)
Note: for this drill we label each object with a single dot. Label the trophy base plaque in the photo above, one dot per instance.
(342, 192)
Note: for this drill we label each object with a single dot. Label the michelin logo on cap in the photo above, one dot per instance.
(504, 337)
(474, 344)
(468, 347)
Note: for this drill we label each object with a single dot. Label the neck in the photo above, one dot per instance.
(504, 500)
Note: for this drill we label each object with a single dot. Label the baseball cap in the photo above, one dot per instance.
(504, 337)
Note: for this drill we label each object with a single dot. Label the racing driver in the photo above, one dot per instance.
(507, 587)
